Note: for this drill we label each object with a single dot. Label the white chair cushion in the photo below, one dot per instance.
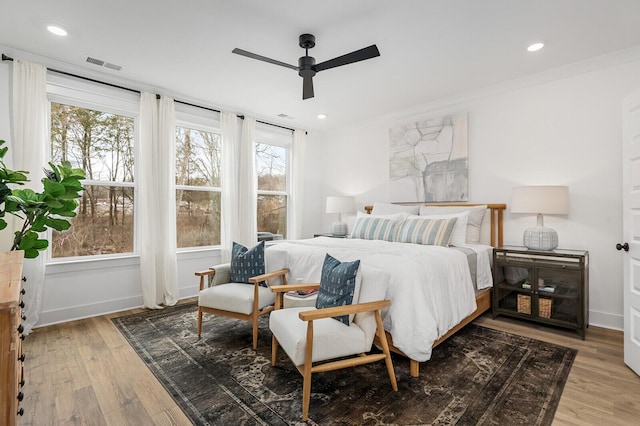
(331, 338)
(235, 297)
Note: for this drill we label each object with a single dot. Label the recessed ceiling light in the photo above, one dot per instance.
(59, 31)
(322, 116)
(535, 47)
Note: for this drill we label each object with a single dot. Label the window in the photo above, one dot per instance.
(272, 167)
(197, 187)
(102, 144)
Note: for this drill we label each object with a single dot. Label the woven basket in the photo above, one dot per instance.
(524, 304)
(544, 307)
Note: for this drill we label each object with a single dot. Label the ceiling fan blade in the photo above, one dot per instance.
(307, 87)
(357, 56)
(263, 58)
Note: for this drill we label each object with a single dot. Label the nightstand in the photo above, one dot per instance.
(548, 287)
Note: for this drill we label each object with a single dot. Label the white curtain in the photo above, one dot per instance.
(297, 185)
(29, 148)
(247, 233)
(229, 219)
(157, 202)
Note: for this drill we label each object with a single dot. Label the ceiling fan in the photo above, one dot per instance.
(307, 66)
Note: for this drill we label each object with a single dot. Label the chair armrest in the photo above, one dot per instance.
(218, 274)
(270, 275)
(343, 310)
(293, 287)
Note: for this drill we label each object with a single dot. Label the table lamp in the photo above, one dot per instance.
(340, 205)
(540, 200)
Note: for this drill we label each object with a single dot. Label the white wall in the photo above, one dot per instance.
(565, 131)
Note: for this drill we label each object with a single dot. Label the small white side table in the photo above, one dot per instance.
(290, 301)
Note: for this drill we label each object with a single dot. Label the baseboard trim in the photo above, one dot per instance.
(606, 320)
(73, 313)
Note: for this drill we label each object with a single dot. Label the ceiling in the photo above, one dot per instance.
(430, 49)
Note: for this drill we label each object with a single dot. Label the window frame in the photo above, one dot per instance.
(82, 94)
(271, 135)
(200, 119)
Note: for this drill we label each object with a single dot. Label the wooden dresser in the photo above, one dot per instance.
(11, 357)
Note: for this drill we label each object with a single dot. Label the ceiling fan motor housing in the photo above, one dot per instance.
(306, 64)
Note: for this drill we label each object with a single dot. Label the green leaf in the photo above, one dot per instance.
(53, 189)
(3, 224)
(28, 240)
(40, 224)
(54, 204)
(41, 244)
(58, 224)
(31, 253)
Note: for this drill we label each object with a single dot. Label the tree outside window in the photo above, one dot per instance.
(102, 144)
(271, 167)
(197, 187)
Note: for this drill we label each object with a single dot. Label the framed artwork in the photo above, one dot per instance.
(428, 160)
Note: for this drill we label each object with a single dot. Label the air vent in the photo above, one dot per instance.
(112, 66)
(101, 63)
(95, 61)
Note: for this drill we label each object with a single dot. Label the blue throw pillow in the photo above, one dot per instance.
(246, 263)
(337, 284)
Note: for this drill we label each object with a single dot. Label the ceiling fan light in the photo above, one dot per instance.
(59, 31)
(535, 46)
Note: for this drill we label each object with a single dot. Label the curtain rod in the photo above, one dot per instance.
(7, 58)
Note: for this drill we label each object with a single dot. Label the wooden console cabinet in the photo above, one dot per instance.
(549, 287)
(11, 357)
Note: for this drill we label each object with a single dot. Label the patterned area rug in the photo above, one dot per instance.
(478, 377)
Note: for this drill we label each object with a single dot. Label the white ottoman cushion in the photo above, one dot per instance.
(235, 297)
(331, 338)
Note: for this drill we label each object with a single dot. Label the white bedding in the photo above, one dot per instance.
(430, 288)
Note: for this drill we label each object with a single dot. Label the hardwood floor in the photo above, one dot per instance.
(85, 373)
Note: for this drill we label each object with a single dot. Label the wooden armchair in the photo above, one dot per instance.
(313, 339)
(236, 300)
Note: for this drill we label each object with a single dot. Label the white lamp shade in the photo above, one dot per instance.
(341, 204)
(540, 199)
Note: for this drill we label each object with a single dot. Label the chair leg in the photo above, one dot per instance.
(306, 372)
(386, 351)
(255, 331)
(274, 350)
(199, 322)
(306, 391)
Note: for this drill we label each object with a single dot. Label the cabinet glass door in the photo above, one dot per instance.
(558, 295)
(514, 289)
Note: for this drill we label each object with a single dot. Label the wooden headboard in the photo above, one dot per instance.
(496, 218)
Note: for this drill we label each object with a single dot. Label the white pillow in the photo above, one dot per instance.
(459, 234)
(387, 208)
(474, 221)
(396, 217)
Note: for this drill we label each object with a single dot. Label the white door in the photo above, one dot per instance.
(631, 228)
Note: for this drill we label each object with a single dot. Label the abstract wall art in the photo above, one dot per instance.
(428, 160)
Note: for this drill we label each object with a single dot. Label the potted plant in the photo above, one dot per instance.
(38, 211)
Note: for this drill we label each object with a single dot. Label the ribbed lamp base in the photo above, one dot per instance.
(540, 238)
(339, 229)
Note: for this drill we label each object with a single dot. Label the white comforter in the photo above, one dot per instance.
(430, 288)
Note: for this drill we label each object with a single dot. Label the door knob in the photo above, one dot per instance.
(624, 246)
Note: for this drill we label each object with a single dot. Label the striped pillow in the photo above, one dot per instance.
(374, 228)
(435, 232)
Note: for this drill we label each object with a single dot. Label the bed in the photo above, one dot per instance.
(420, 316)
